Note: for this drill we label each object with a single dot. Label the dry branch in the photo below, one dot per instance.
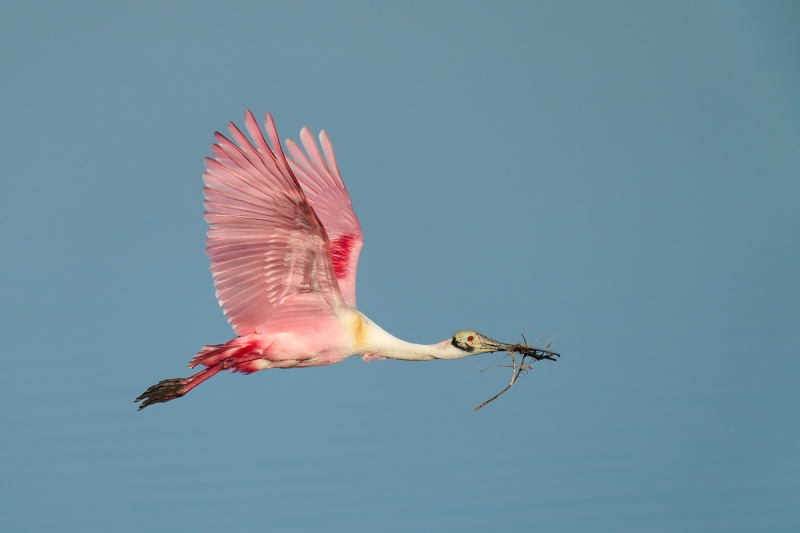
(532, 352)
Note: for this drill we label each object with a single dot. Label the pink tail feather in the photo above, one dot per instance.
(234, 355)
(214, 354)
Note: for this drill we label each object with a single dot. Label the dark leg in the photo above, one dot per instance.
(169, 389)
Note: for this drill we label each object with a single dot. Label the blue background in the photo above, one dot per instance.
(623, 174)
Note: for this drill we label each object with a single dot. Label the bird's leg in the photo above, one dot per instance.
(169, 389)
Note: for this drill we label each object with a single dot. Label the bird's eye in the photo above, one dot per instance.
(470, 338)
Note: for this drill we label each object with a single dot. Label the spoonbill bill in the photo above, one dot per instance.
(284, 244)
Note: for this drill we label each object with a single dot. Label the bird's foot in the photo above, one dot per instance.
(163, 391)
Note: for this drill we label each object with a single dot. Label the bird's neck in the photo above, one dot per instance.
(379, 343)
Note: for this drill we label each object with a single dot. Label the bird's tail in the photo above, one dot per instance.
(214, 354)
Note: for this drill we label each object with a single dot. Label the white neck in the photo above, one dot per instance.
(381, 343)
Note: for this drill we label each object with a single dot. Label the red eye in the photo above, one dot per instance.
(470, 338)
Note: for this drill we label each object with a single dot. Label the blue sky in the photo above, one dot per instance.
(622, 174)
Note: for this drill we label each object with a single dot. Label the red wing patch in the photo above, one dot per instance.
(341, 251)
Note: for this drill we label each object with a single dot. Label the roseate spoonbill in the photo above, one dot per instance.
(284, 243)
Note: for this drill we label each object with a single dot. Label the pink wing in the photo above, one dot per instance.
(323, 186)
(270, 255)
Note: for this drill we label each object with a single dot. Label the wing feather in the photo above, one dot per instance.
(323, 186)
(270, 254)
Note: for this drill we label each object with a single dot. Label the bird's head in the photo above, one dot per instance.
(471, 342)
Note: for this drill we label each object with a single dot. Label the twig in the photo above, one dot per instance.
(525, 351)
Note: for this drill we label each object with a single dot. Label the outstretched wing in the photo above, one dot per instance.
(323, 186)
(270, 255)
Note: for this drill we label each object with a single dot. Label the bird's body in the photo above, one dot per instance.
(284, 244)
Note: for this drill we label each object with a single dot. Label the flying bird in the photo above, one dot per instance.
(284, 244)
